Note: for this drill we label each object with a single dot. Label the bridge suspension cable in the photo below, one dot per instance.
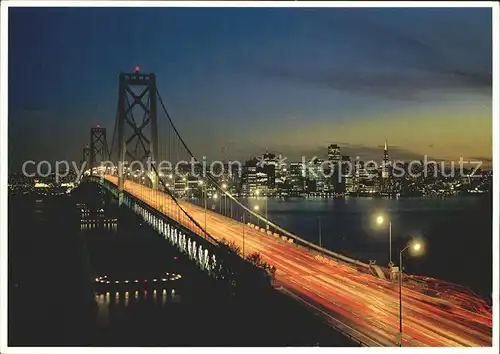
(224, 191)
(127, 129)
(170, 146)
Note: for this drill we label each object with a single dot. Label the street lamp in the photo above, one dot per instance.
(257, 193)
(224, 186)
(417, 248)
(243, 234)
(203, 194)
(380, 221)
(256, 208)
(319, 230)
(267, 225)
(200, 183)
(214, 197)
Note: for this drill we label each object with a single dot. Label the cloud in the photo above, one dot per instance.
(401, 85)
(390, 59)
(431, 37)
(483, 159)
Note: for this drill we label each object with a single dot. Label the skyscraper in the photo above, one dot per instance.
(249, 178)
(334, 153)
(385, 163)
(345, 178)
(297, 176)
(269, 165)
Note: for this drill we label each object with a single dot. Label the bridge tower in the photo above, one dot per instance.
(98, 146)
(137, 95)
(85, 157)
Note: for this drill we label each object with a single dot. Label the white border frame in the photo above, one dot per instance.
(354, 4)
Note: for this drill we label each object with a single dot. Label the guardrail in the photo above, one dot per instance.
(292, 238)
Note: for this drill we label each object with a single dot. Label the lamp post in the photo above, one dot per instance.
(204, 195)
(256, 208)
(257, 193)
(380, 221)
(319, 230)
(243, 233)
(267, 225)
(224, 186)
(167, 185)
(416, 247)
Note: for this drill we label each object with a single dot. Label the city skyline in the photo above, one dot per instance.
(299, 81)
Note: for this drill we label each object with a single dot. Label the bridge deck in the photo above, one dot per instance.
(364, 306)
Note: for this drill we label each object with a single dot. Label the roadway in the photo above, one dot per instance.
(360, 304)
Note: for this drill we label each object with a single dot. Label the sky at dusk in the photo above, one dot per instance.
(287, 80)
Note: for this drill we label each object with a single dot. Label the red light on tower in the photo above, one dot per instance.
(98, 125)
(137, 68)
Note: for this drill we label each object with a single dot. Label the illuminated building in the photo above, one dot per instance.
(334, 153)
(315, 176)
(269, 166)
(297, 176)
(261, 184)
(385, 182)
(345, 181)
(249, 178)
(385, 163)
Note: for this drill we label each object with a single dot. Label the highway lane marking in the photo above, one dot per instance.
(293, 264)
(390, 310)
(382, 325)
(342, 304)
(366, 341)
(424, 319)
(376, 324)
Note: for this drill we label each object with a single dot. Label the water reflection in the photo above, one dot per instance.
(102, 301)
(105, 224)
(114, 305)
(96, 219)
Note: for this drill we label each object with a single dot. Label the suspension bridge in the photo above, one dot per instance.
(356, 298)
